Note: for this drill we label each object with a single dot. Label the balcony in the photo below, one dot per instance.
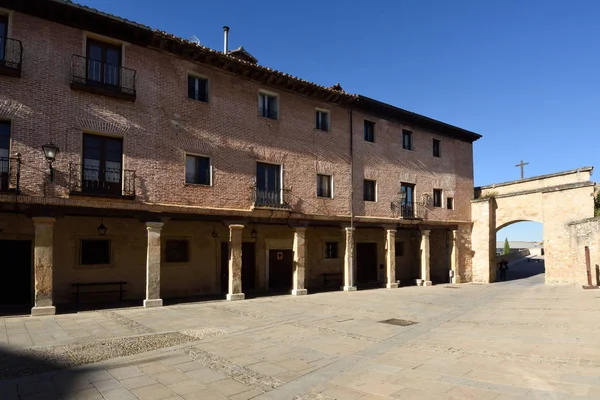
(101, 78)
(11, 55)
(409, 211)
(10, 174)
(101, 182)
(272, 199)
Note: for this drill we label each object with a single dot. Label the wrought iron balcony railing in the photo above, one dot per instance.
(406, 210)
(90, 180)
(262, 198)
(101, 78)
(10, 174)
(11, 56)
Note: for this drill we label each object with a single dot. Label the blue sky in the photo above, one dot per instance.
(524, 74)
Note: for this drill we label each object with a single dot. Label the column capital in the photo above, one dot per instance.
(154, 226)
(43, 220)
(425, 232)
(300, 229)
(236, 227)
(391, 231)
(348, 228)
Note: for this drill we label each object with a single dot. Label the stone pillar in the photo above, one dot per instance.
(235, 263)
(43, 263)
(425, 261)
(153, 265)
(391, 259)
(483, 240)
(452, 238)
(349, 261)
(299, 262)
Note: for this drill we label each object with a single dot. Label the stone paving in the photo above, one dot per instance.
(518, 339)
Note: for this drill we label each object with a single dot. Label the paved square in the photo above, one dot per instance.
(519, 339)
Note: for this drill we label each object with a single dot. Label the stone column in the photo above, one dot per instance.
(483, 242)
(299, 262)
(349, 261)
(454, 256)
(153, 265)
(43, 264)
(425, 261)
(391, 259)
(235, 263)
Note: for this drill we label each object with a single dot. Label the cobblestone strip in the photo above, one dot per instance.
(248, 377)
(240, 312)
(129, 323)
(335, 332)
(312, 396)
(339, 307)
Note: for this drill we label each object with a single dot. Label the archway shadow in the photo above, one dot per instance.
(526, 268)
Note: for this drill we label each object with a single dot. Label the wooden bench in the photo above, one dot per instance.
(332, 277)
(78, 285)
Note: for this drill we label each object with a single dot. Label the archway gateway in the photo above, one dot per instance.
(555, 200)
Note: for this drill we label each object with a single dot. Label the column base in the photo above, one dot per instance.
(153, 303)
(235, 296)
(349, 288)
(391, 285)
(299, 292)
(40, 311)
(427, 283)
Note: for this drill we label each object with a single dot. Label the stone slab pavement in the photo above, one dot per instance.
(518, 339)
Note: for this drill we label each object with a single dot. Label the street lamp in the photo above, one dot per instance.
(50, 152)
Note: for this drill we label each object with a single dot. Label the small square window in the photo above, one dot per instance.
(324, 184)
(437, 197)
(94, 251)
(197, 88)
(407, 139)
(177, 251)
(450, 203)
(399, 249)
(322, 120)
(197, 170)
(331, 249)
(267, 105)
(436, 147)
(369, 190)
(369, 131)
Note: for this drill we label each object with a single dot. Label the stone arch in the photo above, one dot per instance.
(554, 200)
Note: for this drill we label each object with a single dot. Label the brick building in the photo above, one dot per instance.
(186, 171)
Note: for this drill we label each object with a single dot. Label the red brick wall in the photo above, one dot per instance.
(163, 123)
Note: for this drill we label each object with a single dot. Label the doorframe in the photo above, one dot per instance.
(275, 244)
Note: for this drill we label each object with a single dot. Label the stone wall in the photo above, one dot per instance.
(538, 182)
(584, 233)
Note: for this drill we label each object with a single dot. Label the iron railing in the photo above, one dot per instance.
(412, 211)
(271, 198)
(103, 78)
(10, 174)
(11, 56)
(101, 181)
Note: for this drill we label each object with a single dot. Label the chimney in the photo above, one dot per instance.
(225, 39)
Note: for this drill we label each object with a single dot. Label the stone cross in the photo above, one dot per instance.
(522, 164)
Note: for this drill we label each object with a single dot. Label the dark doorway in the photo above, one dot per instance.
(248, 266)
(281, 263)
(15, 287)
(366, 263)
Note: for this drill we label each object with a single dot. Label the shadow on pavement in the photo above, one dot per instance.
(526, 268)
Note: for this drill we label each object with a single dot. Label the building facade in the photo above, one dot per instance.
(185, 171)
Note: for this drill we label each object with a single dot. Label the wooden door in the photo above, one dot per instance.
(281, 263)
(366, 262)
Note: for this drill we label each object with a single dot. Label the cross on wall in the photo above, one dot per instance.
(522, 164)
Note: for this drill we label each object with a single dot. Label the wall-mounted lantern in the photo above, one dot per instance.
(253, 233)
(101, 228)
(50, 152)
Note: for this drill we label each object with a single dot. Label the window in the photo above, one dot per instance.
(197, 88)
(324, 186)
(450, 203)
(436, 147)
(102, 164)
(94, 251)
(369, 190)
(104, 63)
(197, 170)
(268, 184)
(322, 120)
(3, 34)
(399, 249)
(406, 139)
(331, 249)
(4, 155)
(369, 131)
(407, 208)
(177, 251)
(267, 105)
(437, 197)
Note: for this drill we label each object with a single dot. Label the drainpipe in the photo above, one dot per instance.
(225, 39)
